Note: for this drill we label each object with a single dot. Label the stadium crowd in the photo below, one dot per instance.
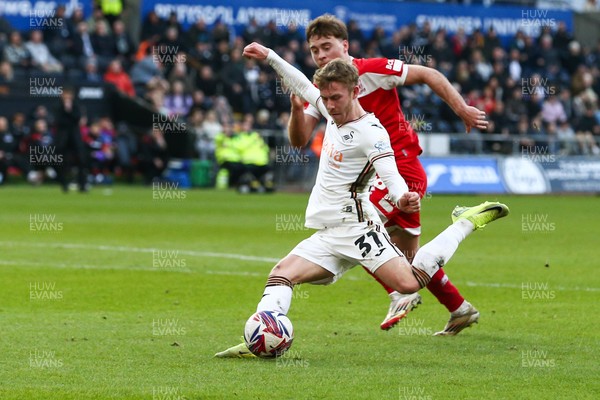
(536, 90)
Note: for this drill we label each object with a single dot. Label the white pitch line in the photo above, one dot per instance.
(88, 266)
(141, 250)
(208, 254)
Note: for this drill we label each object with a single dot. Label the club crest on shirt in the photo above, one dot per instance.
(382, 146)
(348, 137)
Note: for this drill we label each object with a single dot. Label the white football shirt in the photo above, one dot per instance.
(351, 155)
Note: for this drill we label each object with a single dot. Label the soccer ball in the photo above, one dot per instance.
(268, 334)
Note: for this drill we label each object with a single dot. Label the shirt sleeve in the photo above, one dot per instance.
(297, 82)
(382, 73)
(312, 111)
(380, 154)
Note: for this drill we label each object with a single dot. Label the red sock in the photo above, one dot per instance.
(446, 293)
(386, 287)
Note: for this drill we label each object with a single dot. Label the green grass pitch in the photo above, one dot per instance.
(126, 293)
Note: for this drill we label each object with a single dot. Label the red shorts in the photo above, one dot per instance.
(413, 173)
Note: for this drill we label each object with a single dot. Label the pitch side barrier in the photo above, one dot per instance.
(528, 173)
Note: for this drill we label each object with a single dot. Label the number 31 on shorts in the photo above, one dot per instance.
(364, 243)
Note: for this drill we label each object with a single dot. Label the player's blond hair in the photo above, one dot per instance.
(326, 25)
(339, 71)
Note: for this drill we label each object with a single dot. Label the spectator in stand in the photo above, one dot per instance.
(515, 108)
(211, 125)
(587, 130)
(7, 74)
(207, 81)
(173, 22)
(198, 33)
(266, 91)
(173, 42)
(153, 157)
(221, 56)
(291, 34)
(562, 38)
(5, 26)
(19, 126)
(10, 157)
(58, 38)
(81, 46)
(35, 145)
(546, 54)
(41, 58)
(178, 101)
(220, 32)
(41, 112)
(552, 110)
(492, 42)
(355, 33)
(566, 137)
(501, 126)
(91, 73)
(180, 72)
(574, 58)
(147, 73)
(252, 32)
(459, 44)
(103, 44)
(483, 68)
(16, 53)
(200, 101)
(152, 26)
(97, 18)
(523, 134)
(77, 16)
(463, 76)
(124, 47)
(200, 55)
(100, 148)
(515, 70)
(585, 91)
(204, 144)
(119, 78)
(234, 83)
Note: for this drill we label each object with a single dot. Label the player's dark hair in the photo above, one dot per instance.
(339, 71)
(326, 25)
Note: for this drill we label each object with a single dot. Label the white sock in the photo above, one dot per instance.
(276, 298)
(463, 307)
(438, 252)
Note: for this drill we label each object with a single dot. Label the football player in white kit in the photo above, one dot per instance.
(350, 232)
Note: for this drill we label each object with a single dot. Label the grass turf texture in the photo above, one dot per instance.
(136, 324)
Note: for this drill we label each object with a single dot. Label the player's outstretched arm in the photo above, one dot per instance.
(471, 116)
(301, 125)
(294, 79)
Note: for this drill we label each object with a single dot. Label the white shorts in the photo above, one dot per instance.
(341, 248)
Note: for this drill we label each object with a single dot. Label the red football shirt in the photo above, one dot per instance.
(378, 79)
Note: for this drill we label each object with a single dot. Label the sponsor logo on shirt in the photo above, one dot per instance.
(394, 65)
(331, 152)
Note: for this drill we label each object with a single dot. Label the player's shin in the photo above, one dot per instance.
(277, 295)
(438, 252)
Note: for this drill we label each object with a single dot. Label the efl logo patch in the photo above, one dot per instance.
(381, 146)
